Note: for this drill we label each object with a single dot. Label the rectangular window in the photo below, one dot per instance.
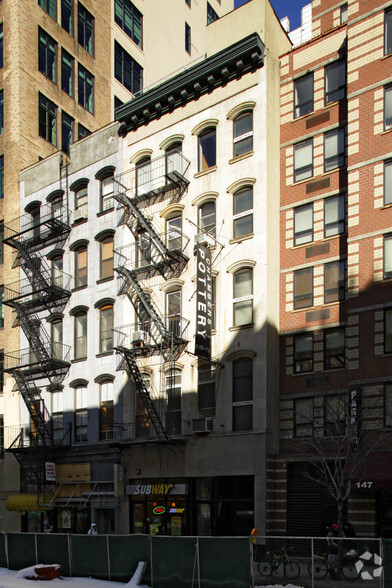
(388, 108)
(126, 70)
(1, 242)
(334, 216)
(243, 212)
(303, 224)
(243, 297)
(130, 20)
(334, 415)
(67, 72)
(81, 268)
(49, 6)
(303, 417)
(243, 394)
(85, 89)
(1, 45)
(187, 38)
(303, 160)
(1, 435)
(81, 415)
(211, 14)
(67, 16)
(107, 189)
(1, 307)
(206, 390)
(106, 265)
(343, 13)
(387, 257)
(388, 32)
(1, 372)
(388, 182)
(67, 131)
(80, 336)
(388, 330)
(143, 423)
(106, 412)
(303, 288)
(85, 29)
(243, 134)
(1, 112)
(83, 132)
(188, 2)
(106, 329)
(334, 349)
(334, 281)
(47, 55)
(47, 115)
(56, 332)
(207, 149)
(117, 104)
(333, 149)
(1, 177)
(58, 417)
(335, 82)
(303, 353)
(303, 95)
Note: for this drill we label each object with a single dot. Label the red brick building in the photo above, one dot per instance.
(336, 259)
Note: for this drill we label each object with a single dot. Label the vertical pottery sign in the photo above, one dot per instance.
(355, 406)
(203, 302)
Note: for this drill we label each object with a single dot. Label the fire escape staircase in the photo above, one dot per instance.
(41, 363)
(161, 259)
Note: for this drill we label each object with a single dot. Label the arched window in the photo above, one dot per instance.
(80, 334)
(207, 148)
(143, 176)
(57, 270)
(173, 394)
(173, 158)
(243, 394)
(56, 332)
(207, 217)
(243, 212)
(106, 328)
(174, 233)
(243, 297)
(105, 177)
(81, 266)
(243, 133)
(173, 312)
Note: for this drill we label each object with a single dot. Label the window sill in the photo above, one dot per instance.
(241, 157)
(78, 360)
(310, 179)
(241, 327)
(303, 373)
(305, 308)
(103, 212)
(204, 172)
(386, 131)
(240, 239)
(78, 288)
(80, 221)
(104, 354)
(103, 280)
(387, 56)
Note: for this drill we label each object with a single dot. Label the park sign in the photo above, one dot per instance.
(355, 410)
(203, 302)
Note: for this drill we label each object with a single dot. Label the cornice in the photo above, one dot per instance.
(229, 64)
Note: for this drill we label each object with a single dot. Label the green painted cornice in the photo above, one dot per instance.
(229, 64)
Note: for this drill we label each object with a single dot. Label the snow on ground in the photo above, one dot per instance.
(8, 579)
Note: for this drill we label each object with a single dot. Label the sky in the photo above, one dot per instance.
(290, 8)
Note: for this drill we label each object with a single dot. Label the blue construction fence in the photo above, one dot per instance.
(183, 562)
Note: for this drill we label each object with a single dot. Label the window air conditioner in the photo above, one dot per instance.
(202, 425)
(79, 213)
(204, 239)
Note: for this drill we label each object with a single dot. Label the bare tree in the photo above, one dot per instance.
(336, 442)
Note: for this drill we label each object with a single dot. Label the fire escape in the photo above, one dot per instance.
(152, 186)
(43, 363)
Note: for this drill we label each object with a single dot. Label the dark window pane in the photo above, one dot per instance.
(207, 149)
(303, 95)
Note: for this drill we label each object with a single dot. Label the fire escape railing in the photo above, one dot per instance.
(44, 362)
(161, 180)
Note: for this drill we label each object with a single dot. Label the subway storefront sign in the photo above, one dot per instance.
(156, 489)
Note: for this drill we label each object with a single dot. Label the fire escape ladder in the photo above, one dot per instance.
(134, 372)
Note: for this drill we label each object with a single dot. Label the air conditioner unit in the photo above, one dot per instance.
(202, 425)
(204, 239)
(79, 213)
(138, 338)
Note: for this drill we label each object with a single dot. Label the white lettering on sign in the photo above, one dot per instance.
(146, 489)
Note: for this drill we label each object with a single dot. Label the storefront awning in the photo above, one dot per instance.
(376, 474)
(24, 501)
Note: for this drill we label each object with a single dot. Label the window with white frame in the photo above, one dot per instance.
(303, 224)
(173, 312)
(207, 217)
(303, 95)
(57, 270)
(106, 411)
(334, 281)
(81, 414)
(334, 215)
(80, 335)
(173, 395)
(243, 133)
(303, 417)
(243, 212)
(207, 149)
(56, 331)
(107, 190)
(143, 176)
(303, 160)
(243, 297)
(303, 288)
(388, 108)
(343, 13)
(81, 267)
(334, 152)
(106, 328)
(388, 330)
(388, 182)
(174, 233)
(303, 353)
(243, 394)
(335, 81)
(387, 257)
(106, 258)
(174, 161)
